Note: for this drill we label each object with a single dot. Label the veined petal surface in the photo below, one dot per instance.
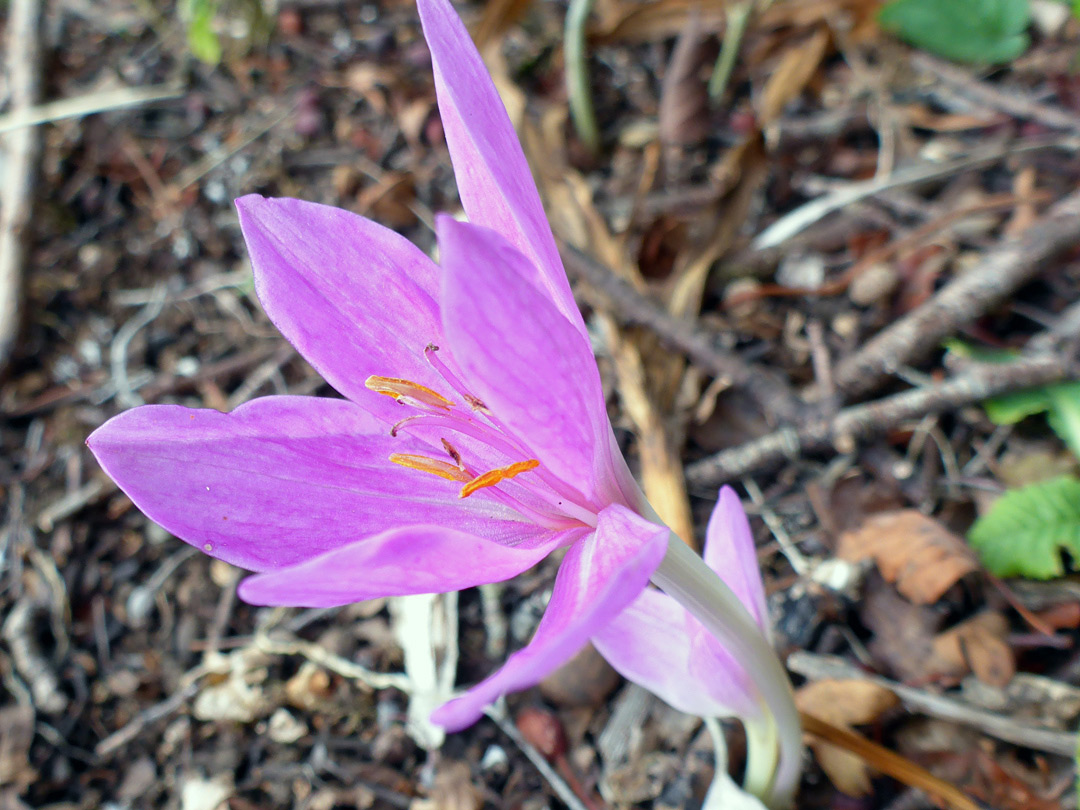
(651, 644)
(493, 178)
(353, 297)
(281, 480)
(600, 575)
(526, 361)
(409, 560)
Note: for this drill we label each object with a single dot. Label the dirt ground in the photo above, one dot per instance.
(770, 278)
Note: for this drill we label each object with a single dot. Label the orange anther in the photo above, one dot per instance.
(493, 477)
(408, 390)
(442, 469)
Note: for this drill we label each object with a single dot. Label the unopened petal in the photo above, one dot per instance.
(651, 644)
(496, 187)
(409, 560)
(282, 479)
(731, 553)
(599, 576)
(532, 369)
(353, 297)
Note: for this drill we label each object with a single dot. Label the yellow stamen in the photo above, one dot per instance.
(442, 469)
(493, 477)
(398, 388)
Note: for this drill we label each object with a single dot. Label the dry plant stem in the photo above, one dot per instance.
(684, 576)
(21, 148)
(889, 762)
(1062, 743)
(772, 394)
(1000, 273)
(863, 421)
(1016, 104)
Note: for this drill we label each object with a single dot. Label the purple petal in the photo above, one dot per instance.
(493, 178)
(353, 297)
(731, 553)
(530, 366)
(600, 575)
(284, 479)
(414, 559)
(650, 643)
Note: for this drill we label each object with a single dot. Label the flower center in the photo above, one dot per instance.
(432, 409)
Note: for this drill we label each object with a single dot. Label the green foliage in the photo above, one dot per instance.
(201, 36)
(1060, 401)
(1025, 531)
(978, 31)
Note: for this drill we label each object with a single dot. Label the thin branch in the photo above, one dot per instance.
(863, 421)
(806, 215)
(21, 150)
(1018, 104)
(1000, 273)
(773, 395)
(1063, 743)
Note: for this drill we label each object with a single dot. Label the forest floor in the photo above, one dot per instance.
(792, 288)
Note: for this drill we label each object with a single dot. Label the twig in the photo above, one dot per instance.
(121, 737)
(1001, 271)
(862, 421)
(700, 345)
(817, 667)
(89, 104)
(276, 645)
(21, 149)
(806, 215)
(562, 790)
(1019, 105)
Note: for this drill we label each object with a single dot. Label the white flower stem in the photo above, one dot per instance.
(762, 750)
(684, 576)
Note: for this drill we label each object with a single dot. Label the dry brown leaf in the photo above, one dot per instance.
(791, 76)
(844, 703)
(976, 645)
(918, 554)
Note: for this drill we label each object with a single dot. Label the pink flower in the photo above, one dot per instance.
(656, 643)
(473, 439)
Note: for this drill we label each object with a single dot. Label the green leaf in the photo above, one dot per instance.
(1009, 409)
(979, 31)
(1025, 531)
(1064, 416)
(201, 37)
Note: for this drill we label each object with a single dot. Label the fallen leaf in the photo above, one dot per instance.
(975, 645)
(844, 703)
(918, 554)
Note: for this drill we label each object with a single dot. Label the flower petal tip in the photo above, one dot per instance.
(456, 715)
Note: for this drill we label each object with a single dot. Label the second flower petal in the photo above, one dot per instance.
(414, 559)
(599, 576)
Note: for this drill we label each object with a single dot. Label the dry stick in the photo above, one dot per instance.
(1016, 104)
(817, 667)
(862, 421)
(914, 239)
(698, 344)
(1000, 273)
(21, 149)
